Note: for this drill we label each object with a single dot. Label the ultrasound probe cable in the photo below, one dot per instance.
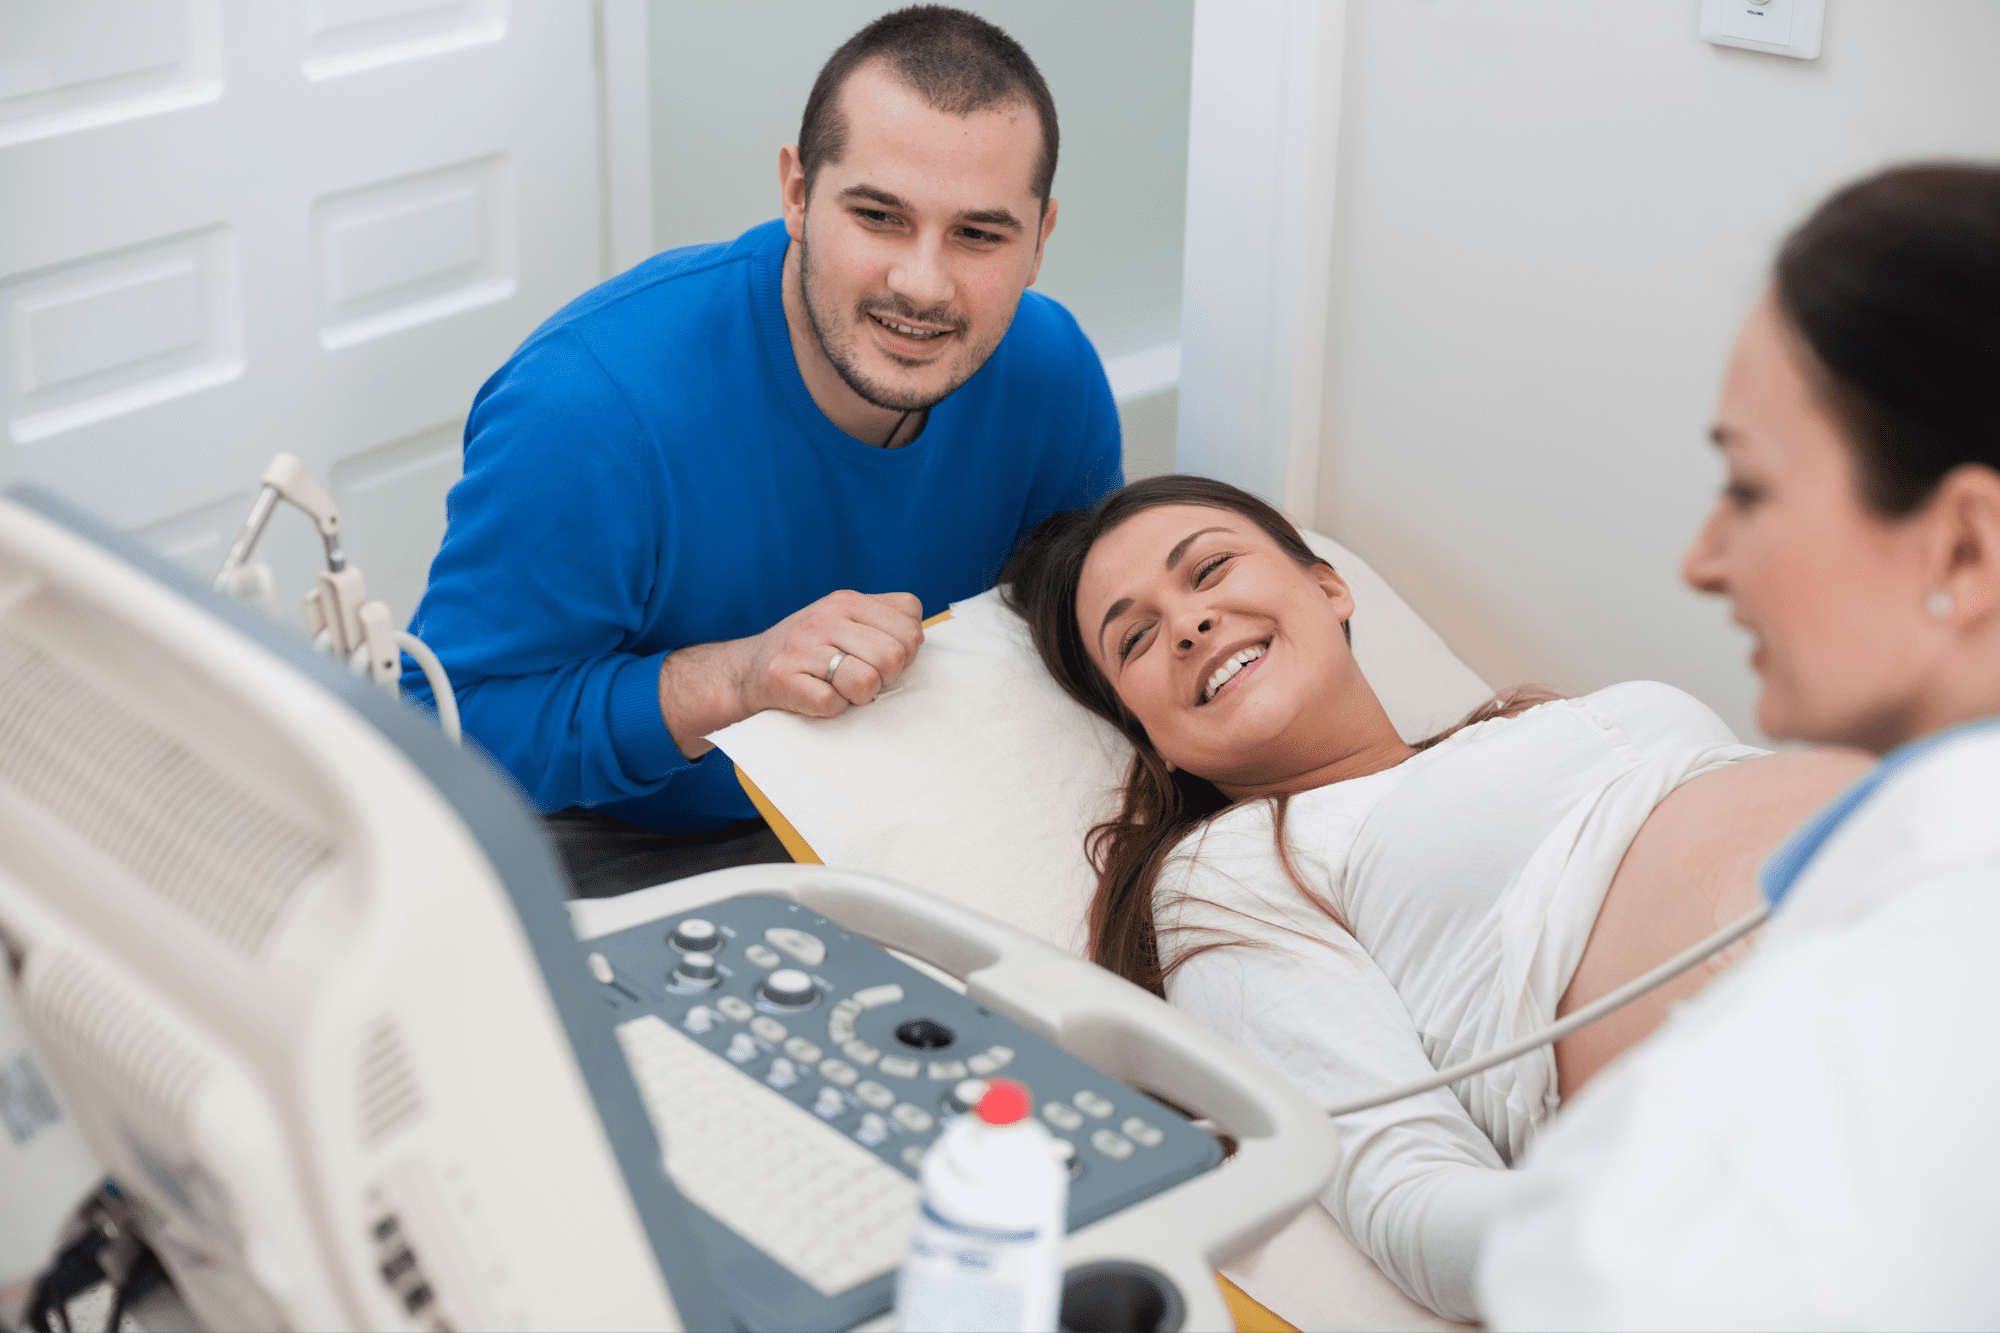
(1583, 1017)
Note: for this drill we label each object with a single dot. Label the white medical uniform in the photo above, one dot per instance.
(1471, 875)
(1814, 1140)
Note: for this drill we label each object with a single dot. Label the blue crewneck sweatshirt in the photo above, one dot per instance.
(648, 471)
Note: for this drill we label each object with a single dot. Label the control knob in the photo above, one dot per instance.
(695, 969)
(694, 935)
(964, 1095)
(788, 988)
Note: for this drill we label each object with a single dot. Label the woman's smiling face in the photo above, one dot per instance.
(1227, 650)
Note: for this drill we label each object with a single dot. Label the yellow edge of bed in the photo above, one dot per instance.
(1250, 1317)
(800, 849)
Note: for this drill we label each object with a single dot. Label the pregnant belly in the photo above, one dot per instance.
(1690, 871)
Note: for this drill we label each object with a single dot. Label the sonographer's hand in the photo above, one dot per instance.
(842, 650)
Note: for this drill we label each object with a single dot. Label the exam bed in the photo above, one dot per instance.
(978, 778)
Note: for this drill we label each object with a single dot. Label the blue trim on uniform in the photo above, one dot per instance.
(1784, 866)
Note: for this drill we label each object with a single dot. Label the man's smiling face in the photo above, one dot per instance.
(915, 246)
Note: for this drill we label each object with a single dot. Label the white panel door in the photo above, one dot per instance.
(230, 227)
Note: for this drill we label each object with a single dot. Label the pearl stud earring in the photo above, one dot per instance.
(1938, 604)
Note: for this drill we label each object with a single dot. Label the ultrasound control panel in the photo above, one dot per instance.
(880, 1052)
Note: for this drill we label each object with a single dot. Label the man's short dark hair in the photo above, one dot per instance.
(957, 62)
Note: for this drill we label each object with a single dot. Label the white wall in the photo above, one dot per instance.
(730, 81)
(1551, 216)
(1263, 144)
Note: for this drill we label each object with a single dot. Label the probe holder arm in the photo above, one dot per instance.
(290, 479)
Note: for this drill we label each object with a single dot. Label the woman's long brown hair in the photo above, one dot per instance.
(1162, 805)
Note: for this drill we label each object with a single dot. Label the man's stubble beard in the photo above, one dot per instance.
(840, 354)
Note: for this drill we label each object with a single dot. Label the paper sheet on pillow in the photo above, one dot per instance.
(979, 778)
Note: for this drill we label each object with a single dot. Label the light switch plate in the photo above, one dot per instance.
(1779, 27)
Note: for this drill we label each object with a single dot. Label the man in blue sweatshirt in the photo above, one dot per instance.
(739, 476)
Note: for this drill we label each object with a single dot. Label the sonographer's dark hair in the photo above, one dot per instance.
(1893, 284)
(1162, 805)
(957, 62)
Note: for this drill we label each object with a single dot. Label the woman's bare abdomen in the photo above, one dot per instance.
(1690, 871)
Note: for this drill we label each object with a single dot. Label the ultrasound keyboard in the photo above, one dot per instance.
(796, 1075)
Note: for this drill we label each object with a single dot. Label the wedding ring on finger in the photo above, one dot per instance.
(834, 666)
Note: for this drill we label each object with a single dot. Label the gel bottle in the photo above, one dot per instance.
(986, 1253)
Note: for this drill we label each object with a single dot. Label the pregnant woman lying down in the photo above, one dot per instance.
(1360, 911)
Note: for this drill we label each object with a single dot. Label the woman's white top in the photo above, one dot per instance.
(1810, 1142)
(1471, 875)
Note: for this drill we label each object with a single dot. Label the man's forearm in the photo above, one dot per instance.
(701, 691)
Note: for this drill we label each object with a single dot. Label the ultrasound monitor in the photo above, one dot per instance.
(303, 972)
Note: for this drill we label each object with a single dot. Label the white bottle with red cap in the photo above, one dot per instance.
(986, 1252)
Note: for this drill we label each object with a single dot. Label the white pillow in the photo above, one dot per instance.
(978, 780)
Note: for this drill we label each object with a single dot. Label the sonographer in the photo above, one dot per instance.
(739, 476)
(1809, 1142)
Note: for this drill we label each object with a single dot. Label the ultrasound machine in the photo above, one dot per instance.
(307, 978)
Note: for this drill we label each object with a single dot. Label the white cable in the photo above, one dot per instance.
(1583, 1017)
(447, 702)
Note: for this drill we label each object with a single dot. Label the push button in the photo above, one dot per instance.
(875, 1094)
(838, 1072)
(800, 945)
(874, 997)
(763, 957)
(736, 1007)
(1092, 1105)
(1111, 1144)
(913, 1118)
(1141, 1133)
(1061, 1116)
(770, 1029)
(897, 1066)
(802, 1050)
(991, 1061)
